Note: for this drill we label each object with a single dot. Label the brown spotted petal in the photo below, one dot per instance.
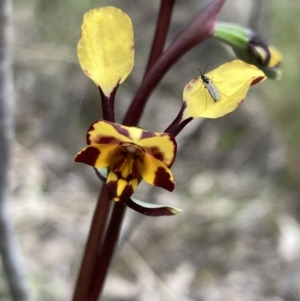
(104, 132)
(98, 155)
(156, 173)
(161, 146)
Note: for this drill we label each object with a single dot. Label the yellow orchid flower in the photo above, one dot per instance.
(106, 55)
(130, 153)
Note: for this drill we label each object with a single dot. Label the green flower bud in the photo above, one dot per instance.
(250, 48)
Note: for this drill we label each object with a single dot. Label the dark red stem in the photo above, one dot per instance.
(107, 251)
(96, 235)
(162, 27)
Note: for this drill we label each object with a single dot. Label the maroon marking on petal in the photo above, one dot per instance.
(101, 139)
(119, 164)
(155, 152)
(257, 80)
(88, 156)
(121, 130)
(91, 128)
(107, 140)
(112, 191)
(132, 47)
(189, 87)
(86, 72)
(240, 102)
(146, 134)
(111, 188)
(127, 192)
(129, 178)
(134, 169)
(163, 179)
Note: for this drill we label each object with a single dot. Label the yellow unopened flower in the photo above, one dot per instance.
(130, 154)
(221, 91)
(106, 47)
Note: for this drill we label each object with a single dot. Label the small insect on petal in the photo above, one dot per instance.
(233, 78)
(210, 86)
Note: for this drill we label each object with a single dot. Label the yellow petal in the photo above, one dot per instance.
(122, 180)
(156, 173)
(98, 155)
(102, 132)
(276, 57)
(231, 81)
(161, 146)
(106, 47)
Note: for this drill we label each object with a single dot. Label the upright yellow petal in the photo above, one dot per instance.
(106, 47)
(230, 81)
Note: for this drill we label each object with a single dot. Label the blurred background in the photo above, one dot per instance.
(237, 177)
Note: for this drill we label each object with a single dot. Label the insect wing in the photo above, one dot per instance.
(213, 91)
